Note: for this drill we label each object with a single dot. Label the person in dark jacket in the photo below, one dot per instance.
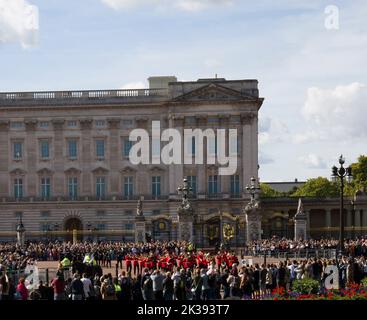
(77, 288)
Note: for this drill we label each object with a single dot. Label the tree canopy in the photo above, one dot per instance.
(317, 187)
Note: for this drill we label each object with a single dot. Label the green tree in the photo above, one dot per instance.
(317, 187)
(359, 172)
(269, 192)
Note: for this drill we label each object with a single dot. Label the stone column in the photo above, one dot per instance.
(175, 171)
(87, 156)
(364, 220)
(114, 155)
(4, 158)
(349, 222)
(357, 221)
(142, 174)
(58, 159)
(249, 147)
(328, 221)
(201, 168)
(31, 157)
(224, 181)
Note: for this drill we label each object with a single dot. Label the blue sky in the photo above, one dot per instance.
(314, 79)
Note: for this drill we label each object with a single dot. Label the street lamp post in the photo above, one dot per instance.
(341, 173)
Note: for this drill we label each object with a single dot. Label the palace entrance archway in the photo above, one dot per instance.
(73, 223)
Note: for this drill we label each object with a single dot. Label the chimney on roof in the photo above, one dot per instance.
(296, 180)
(161, 82)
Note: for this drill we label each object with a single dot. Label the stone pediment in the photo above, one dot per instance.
(128, 170)
(72, 170)
(100, 170)
(215, 92)
(18, 171)
(44, 171)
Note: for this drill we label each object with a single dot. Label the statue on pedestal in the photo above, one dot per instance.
(140, 226)
(185, 213)
(185, 208)
(300, 222)
(252, 212)
(139, 209)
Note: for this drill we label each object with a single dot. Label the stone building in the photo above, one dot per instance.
(64, 165)
(64, 161)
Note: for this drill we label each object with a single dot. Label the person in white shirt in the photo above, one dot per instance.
(87, 284)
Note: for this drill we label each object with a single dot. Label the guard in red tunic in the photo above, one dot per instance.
(135, 262)
(128, 263)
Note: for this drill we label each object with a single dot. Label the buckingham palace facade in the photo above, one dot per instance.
(65, 165)
(64, 159)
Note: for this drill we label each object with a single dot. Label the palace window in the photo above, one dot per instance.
(100, 148)
(100, 187)
(17, 150)
(18, 188)
(213, 184)
(45, 188)
(45, 149)
(100, 123)
(73, 188)
(71, 123)
(44, 124)
(72, 149)
(127, 147)
(192, 183)
(156, 186)
(128, 187)
(16, 125)
(235, 185)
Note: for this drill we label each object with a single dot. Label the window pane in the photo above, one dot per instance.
(100, 148)
(18, 188)
(128, 186)
(73, 187)
(17, 150)
(127, 147)
(45, 149)
(192, 183)
(156, 186)
(72, 148)
(100, 187)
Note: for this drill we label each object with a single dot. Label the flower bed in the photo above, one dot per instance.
(354, 292)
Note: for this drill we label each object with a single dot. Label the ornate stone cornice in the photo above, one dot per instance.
(30, 124)
(114, 123)
(4, 125)
(86, 124)
(58, 124)
(248, 117)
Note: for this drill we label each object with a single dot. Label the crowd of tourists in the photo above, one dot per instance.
(173, 270)
(273, 246)
(240, 281)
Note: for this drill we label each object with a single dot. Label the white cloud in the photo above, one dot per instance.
(19, 22)
(313, 161)
(337, 113)
(134, 85)
(272, 130)
(185, 5)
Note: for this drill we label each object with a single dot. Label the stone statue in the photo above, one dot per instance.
(185, 207)
(139, 208)
(300, 222)
(253, 213)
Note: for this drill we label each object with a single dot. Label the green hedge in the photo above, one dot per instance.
(306, 286)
